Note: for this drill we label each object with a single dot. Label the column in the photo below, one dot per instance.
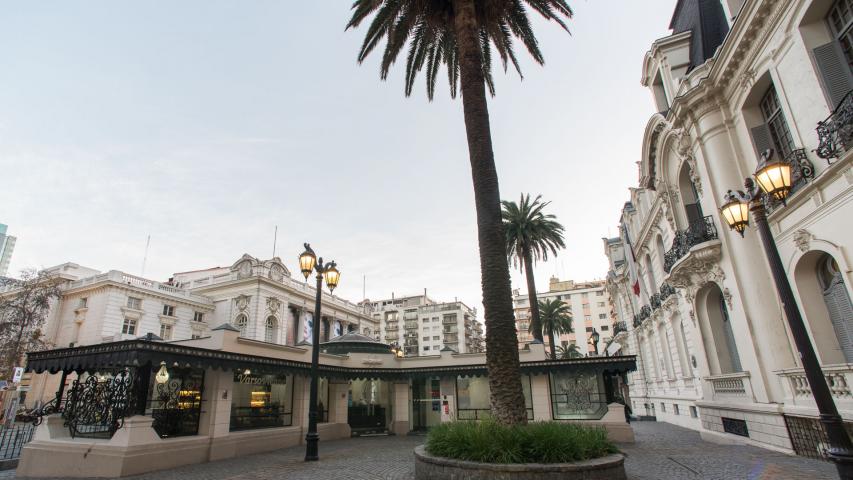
(402, 400)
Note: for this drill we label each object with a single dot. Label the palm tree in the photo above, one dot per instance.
(461, 34)
(556, 320)
(530, 235)
(571, 351)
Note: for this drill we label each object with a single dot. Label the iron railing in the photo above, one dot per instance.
(835, 134)
(619, 327)
(698, 232)
(808, 436)
(655, 301)
(666, 290)
(13, 439)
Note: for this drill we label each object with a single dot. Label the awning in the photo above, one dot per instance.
(136, 353)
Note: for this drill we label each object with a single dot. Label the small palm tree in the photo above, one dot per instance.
(530, 236)
(556, 320)
(571, 351)
(461, 34)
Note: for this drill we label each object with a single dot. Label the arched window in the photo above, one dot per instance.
(689, 197)
(661, 249)
(271, 330)
(666, 353)
(838, 303)
(718, 332)
(650, 272)
(242, 323)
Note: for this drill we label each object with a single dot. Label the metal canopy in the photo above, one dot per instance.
(137, 353)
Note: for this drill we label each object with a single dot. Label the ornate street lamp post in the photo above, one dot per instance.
(595, 336)
(308, 262)
(774, 179)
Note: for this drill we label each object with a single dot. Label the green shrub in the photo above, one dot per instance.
(538, 442)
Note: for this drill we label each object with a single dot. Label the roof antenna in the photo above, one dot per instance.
(274, 240)
(145, 257)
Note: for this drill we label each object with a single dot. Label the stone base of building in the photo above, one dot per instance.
(763, 425)
(135, 449)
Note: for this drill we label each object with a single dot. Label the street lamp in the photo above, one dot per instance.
(309, 262)
(595, 337)
(774, 180)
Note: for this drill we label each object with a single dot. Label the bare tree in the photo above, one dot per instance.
(24, 305)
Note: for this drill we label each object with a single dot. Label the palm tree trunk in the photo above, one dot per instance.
(535, 320)
(551, 341)
(507, 397)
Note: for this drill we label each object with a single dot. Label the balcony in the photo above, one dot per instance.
(798, 392)
(731, 387)
(696, 234)
(619, 327)
(411, 325)
(835, 134)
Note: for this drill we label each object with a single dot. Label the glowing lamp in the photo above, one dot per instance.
(307, 261)
(773, 176)
(162, 375)
(332, 276)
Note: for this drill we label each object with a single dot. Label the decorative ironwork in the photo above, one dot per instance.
(698, 232)
(666, 290)
(835, 134)
(97, 405)
(808, 436)
(734, 426)
(655, 301)
(645, 312)
(802, 171)
(619, 327)
(578, 396)
(12, 440)
(176, 406)
(637, 321)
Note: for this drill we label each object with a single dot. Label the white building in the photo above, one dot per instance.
(423, 326)
(734, 79)
(590, 305)
(7, 246)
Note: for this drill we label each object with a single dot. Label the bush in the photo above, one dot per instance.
(538, 442)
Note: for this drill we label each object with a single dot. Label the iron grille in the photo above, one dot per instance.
(808, 436)
(735, 426)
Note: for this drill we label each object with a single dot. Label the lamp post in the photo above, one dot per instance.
(595, 336)
(774, 179)
(309, 262)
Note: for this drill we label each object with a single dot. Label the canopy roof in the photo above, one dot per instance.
(355, 342)
(140, 352)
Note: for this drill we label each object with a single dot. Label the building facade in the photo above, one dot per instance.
(591, 311)
(423, 326)
(7, 246)
(695, 301)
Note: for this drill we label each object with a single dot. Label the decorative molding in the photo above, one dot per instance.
(803, 239)
(273, 305)
(242, 302)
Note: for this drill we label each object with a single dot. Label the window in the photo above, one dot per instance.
(587, 318)
(242, 323)
(600, 304)
(567, 388)
(840, 20)
(599, 293)
(472, 397)
(436, 337)
(585, 295)
(605, 328)
(662, 407)
(165, 331)
(426, 320)
(602, 316)
(169, 310)
(426, 348)
(426, 338)
(776, 124)
(675, 409)
(134, 303)
(589, 329)
(196, 334)
(84, 301)
(271, 330)
(434, 319)
(198, 317)
(262, 401)
(694, 412)
(129, 326)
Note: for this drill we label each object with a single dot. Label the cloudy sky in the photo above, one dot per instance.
(205, 124)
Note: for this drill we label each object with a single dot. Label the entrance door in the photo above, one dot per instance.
(426, 403)
(369, 409)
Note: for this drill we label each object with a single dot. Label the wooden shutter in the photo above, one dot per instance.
(730, 338)
(834, 70)
(761, 139)
(841, 314)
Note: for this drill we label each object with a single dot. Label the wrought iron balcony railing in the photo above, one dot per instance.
(835, 134)
(698, 232)
(645, 312)
(637, 321)
(666, 290)
(619, 327)
(655, 301)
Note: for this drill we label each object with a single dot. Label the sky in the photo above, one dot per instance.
(207, 123)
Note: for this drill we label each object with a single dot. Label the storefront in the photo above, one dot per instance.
(156, 405)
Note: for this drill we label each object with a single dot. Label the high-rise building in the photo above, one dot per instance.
(423, 326)
(7, 245)
(590, 305)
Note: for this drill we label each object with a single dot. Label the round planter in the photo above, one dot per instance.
(428, 467)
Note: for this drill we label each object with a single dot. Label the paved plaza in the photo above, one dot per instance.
(662, 452)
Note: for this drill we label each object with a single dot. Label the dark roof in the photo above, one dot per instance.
(226, 326)
(707, 22)
(138, 353)
(354, 342)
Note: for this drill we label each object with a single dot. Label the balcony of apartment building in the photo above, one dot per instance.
(451, 339)
(449, 320)
(410, 350)
(658, 301)
(411, 325)
(697, 244)
(450, 329)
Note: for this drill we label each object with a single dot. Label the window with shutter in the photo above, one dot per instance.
(761, 139)
(841, 314)
(780, 134)
(835, 73)
(730, 337)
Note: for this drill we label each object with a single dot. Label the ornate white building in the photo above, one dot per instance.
(734, 79)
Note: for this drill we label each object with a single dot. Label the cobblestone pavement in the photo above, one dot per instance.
(662, 452)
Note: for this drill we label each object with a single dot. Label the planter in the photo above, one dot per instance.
(428, 467)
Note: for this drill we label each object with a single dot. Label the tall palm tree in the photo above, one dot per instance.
(556, 320)
(571, 351)
(530, 235)
(461, 34)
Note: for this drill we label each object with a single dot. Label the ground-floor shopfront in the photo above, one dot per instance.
(136, 406)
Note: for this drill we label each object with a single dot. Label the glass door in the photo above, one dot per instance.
(426, 403)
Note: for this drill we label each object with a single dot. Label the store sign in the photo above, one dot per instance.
(259, 379)
(19, 373)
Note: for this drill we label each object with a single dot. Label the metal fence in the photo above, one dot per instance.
(13, 438)
(808, 436)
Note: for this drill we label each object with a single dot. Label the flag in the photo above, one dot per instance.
(632, 264)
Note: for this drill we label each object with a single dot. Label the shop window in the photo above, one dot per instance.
(176, 404)
(577, 396)
(261, 401)
(473, 393)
